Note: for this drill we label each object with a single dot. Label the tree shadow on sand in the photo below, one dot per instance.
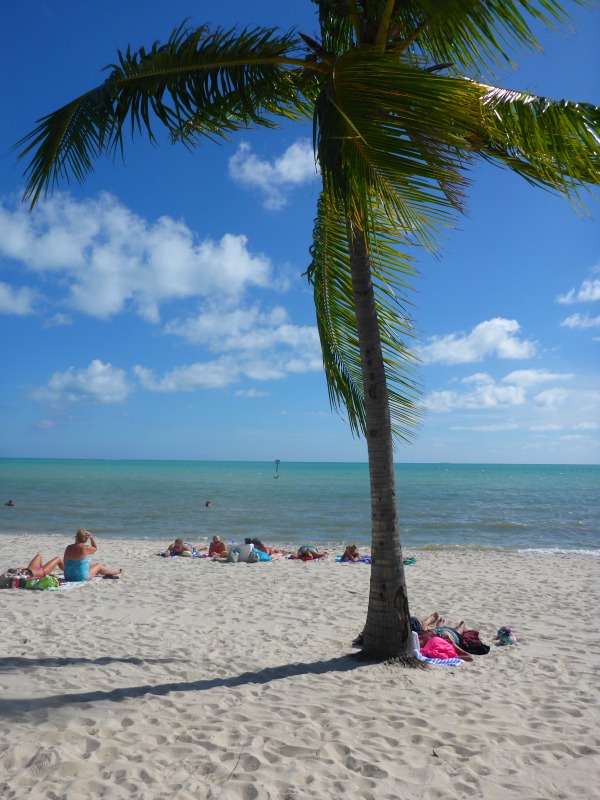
(22, 663)
(18, 706)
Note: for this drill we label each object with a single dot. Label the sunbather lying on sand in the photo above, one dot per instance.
(308, 553)
(442, 645)
(178, 548)
(35, 568)
(434, 623)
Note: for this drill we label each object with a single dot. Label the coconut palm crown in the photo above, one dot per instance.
(398, 121)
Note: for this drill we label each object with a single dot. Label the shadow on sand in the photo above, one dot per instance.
(19, 706)
(22, 663)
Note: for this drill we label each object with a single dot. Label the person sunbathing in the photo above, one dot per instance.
(178, 548)
(264, 548)
(308, 553)
(35, 568)
(442, 645)
(351, 553)
(432, 623)
(77, 559)
(218, 548)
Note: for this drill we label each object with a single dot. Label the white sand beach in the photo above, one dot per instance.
(193, 679)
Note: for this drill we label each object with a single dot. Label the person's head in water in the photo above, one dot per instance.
(208, 504)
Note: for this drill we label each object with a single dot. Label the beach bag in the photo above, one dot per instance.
(47, 582)
(252, 557)
(244, 551)
(471, 643)
(505, 636)
(233, 557)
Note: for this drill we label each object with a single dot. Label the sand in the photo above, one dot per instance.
(192, 679)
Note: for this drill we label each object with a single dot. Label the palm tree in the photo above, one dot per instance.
(397, 121)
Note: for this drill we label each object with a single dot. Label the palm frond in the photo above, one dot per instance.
(336, 25)
(555, 144)
(472, 35)
(340, 23)
(390, 137)
(329, 274)
(198, 84)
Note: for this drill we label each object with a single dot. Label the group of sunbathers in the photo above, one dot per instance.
(217, 550)
(75, 564)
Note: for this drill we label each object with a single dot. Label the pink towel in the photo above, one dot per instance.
(437, 647)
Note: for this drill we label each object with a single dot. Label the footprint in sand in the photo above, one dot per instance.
(42, 760)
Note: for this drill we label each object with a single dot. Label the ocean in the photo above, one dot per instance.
(512, 507)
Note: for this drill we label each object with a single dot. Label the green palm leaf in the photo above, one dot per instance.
(465, 33)
(198, 84)
(390, 137)
(554, 144)
(392, 272)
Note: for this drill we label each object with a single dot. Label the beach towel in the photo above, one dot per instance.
(64, 585)
(440, 662)
(361, 560)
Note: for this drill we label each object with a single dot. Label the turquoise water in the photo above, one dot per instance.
(440, 505)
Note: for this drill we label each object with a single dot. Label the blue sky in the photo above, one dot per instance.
(158, 311)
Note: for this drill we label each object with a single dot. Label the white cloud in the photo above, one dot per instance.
(588, 292)
(581, 321)
(251, 393)
(533, 377)
(586, 426)
(229, 369)
(294, 167)
(97, 384)
(486, 395)
(501, 426)
(246, 330)
(45, 425)
(18, 301)
(59, 319)
(545, 428)
(493, 337)
(551, 398)
(189, 378)
(111, 258)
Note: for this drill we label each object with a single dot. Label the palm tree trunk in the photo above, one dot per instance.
(387, 631)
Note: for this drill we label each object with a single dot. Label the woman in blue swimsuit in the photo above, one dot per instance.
(77, 559)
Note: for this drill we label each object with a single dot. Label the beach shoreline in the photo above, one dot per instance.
(188, 678)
